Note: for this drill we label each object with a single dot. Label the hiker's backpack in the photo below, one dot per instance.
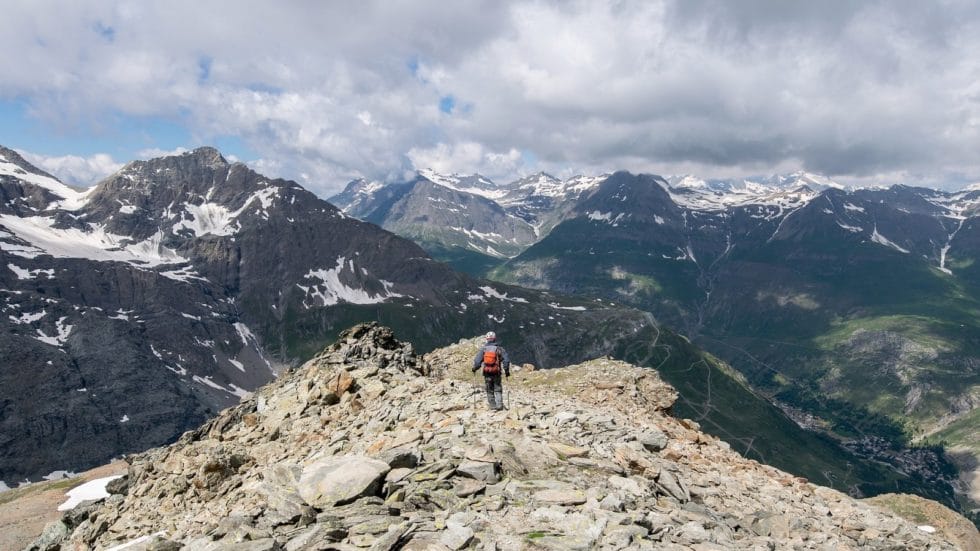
(491, 360)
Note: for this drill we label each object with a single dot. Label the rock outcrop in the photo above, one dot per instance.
(369, 446)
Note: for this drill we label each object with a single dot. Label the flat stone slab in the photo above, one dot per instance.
(561, 497)
(568, 451)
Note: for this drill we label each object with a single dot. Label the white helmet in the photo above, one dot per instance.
(491, 336)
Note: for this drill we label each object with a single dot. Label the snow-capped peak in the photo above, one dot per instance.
(816, 182)
(688, 182)
(475, 184)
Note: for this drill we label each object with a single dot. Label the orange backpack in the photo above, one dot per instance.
(491, 361)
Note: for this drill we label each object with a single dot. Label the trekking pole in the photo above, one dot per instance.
(475, 392)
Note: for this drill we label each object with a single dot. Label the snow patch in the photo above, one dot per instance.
(556, 306)
(493, 293)
(455, 182)
(28, 318)
(125, 419)
(121, 315)
(239, 391)
(59, 475)
(882, 240)
(64, 330)
(137, 541)
(237, 364)
(215, 219)
(72, 199)
(24, 273)
(330, 290)
(206, 381)
(185, 274)
(852, 229)
(95, 244)
(94, 489)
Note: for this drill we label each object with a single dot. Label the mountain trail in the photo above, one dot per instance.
(369, 446)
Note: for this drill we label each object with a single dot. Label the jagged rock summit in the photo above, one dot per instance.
(369, 446)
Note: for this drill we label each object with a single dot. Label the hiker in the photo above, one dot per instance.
(493, 358)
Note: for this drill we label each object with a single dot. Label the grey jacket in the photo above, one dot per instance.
(504, 358)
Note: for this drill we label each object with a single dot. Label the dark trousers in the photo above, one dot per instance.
(495, 390)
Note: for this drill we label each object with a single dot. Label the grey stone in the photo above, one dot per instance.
(340, 480)
(396, 534)
(479, 470)
(561, 497)
(318, 536)
(564, 417)
(653, 440)
(611, 503)
(626, 484)
(456, 536)
(80, 513)
(673, 486)
(50, 539)
(400, 458)
(118, 485)
(466, 487)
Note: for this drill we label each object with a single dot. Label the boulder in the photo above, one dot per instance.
(340, 480)
(653, 440)
(479, 470)
(50, 539)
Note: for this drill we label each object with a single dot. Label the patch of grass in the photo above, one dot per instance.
(902, 506)
(926, 331)
(38, 487)
(964, 432)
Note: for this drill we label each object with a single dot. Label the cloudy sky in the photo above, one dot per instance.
(322, 92)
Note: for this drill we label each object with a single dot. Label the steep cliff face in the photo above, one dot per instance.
(370, 446)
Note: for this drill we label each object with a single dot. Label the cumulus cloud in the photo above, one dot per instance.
(862, 91)
(74, 170)
(467, 158)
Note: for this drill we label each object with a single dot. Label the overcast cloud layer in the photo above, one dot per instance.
(323, 92)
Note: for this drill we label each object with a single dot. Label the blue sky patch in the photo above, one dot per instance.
(204, 69)
(447, 104)
(105, 31)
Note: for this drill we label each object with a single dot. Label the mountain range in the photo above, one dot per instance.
(853, 310)
(136, 309)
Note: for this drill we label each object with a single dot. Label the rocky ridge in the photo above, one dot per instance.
(369, 446)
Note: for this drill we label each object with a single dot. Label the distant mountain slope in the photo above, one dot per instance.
(468, 221)
(856, 307)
